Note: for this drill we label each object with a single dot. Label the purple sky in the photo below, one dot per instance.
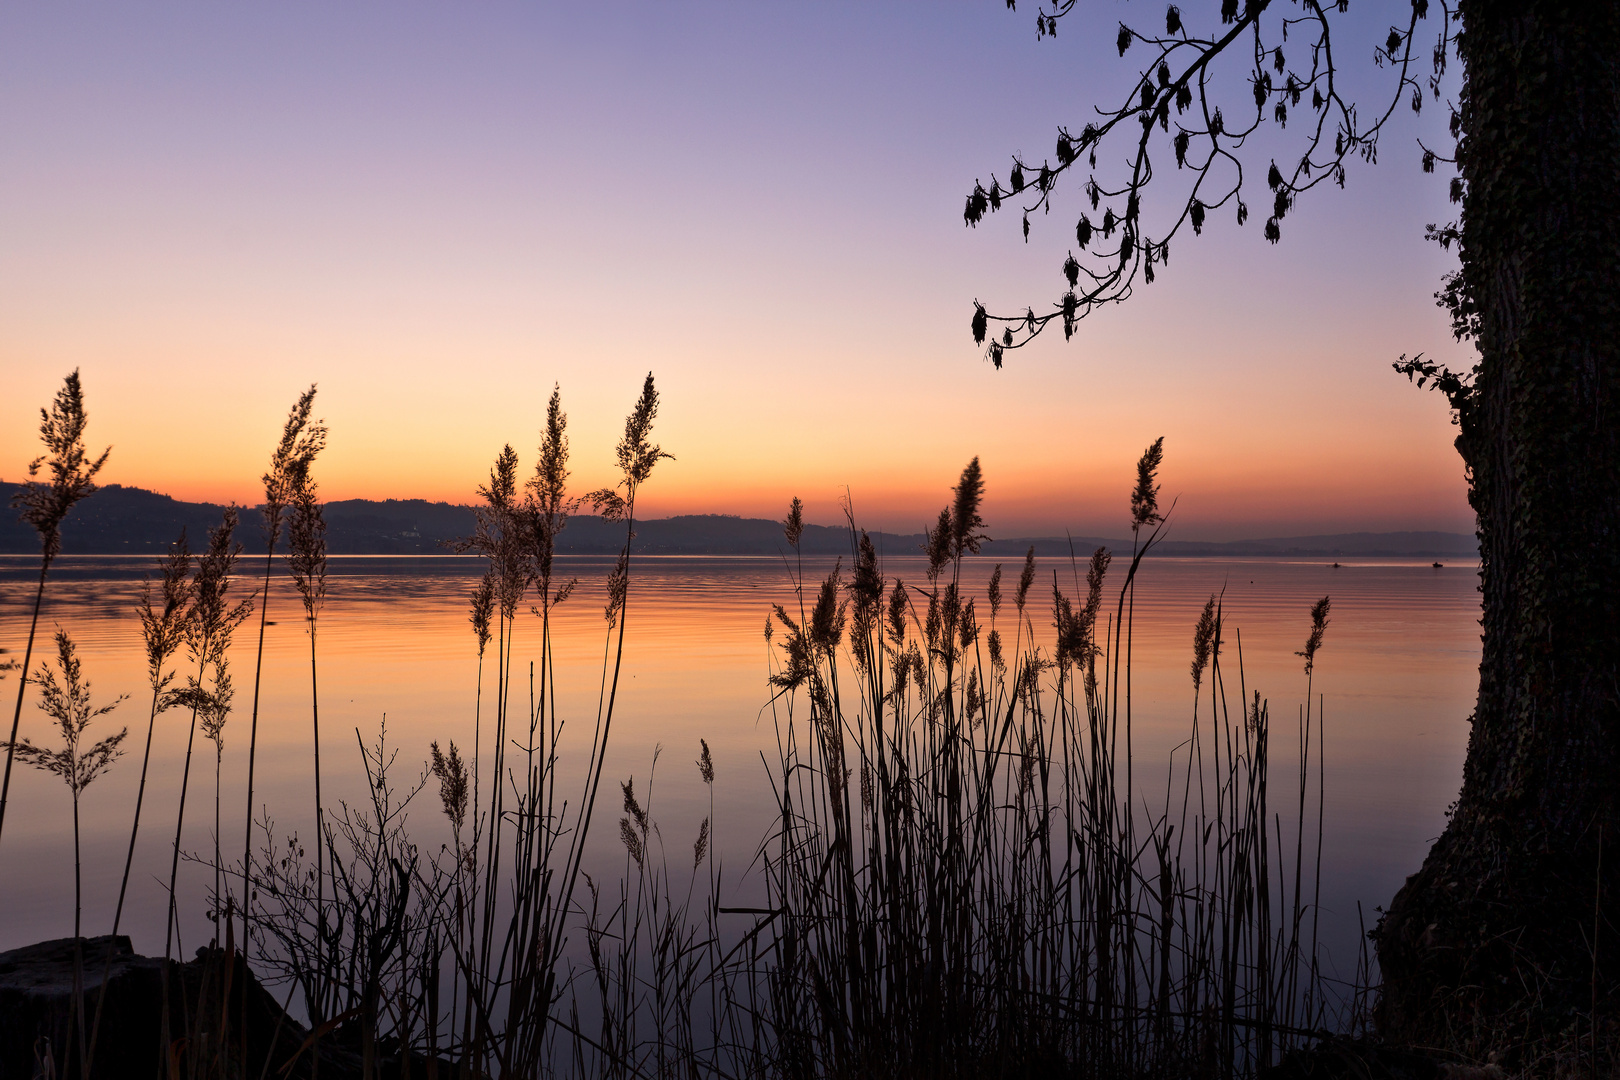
(438, 211)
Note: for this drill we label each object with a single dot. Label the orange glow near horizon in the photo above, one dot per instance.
(416, 213)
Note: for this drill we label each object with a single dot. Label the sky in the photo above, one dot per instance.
(438, 212)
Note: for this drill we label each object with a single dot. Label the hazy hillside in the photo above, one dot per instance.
(130, 520)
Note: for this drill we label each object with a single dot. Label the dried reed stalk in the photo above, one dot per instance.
(44, 505)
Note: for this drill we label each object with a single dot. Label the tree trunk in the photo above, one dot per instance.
(1490, 942)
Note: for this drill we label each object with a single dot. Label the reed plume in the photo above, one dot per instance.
(163, 627)
(43, 504)
(66, 700)
(637, 456)
(306, 561)
(210, 623)
(965, 519)
(301, 440)
(991, 898)
(793, 524)
(452, 777)
(1145, 498)
(1319, 621)
(1203, 645)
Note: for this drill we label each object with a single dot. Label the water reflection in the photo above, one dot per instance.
(1396, 677)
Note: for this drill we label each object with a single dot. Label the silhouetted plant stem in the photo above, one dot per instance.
(163, 633)
(253, 739)
(301, 440)
(307, 562)
(123, 885)
(135, 826)
(43, 506)
(209, 627)
(66, 699)
(22, 687)
(637, 456)
(171, 922)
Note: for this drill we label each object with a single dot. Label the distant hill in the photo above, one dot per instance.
(121, 520)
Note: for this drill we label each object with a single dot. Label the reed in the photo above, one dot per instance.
(959, 882)
(65, 698)
(301, 440)
(163, 628)
(964, 877)
(43, 504)
(210, 624)
(306, 560)
(962, 880)
(494, 913)
(964, 874)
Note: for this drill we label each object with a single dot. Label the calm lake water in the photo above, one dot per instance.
(1397, 675)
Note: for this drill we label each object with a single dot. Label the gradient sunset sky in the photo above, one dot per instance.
(437, 211)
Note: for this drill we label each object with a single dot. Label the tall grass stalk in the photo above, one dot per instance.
(66, 700)
(164, 630)
(210, 623)
(498, 909)
(301, 440)
(306, 537)
(961, 882)
(43, 505)
(964, 876)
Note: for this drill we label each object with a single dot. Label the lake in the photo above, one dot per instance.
(1397, 677)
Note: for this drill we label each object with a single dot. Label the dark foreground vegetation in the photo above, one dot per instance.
(1506, 934)
(967, 872)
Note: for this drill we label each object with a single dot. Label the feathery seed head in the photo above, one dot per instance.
(548, 504)
(793, 524)
(211, 620)
(701, 848)
(618, 587)
(1145, 499)
(827, 618)
(705, 763)
(67, 701)
(44, 504)
(938, 545)
(897, 613)
(301, 440)
(632, 841)
(163, 627)
(965, 519)
(631, 806)
(1025, 579)
(501, 491)
(867, 583)
(483, 606)
(1319, 621)
(452, 776)
(306, 535)
(214, 705)
(1203, 641)
(637, 455)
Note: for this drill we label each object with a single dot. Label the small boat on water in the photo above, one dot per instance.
(1439, 566)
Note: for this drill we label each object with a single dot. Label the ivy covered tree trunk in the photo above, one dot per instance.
(1490, 943)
